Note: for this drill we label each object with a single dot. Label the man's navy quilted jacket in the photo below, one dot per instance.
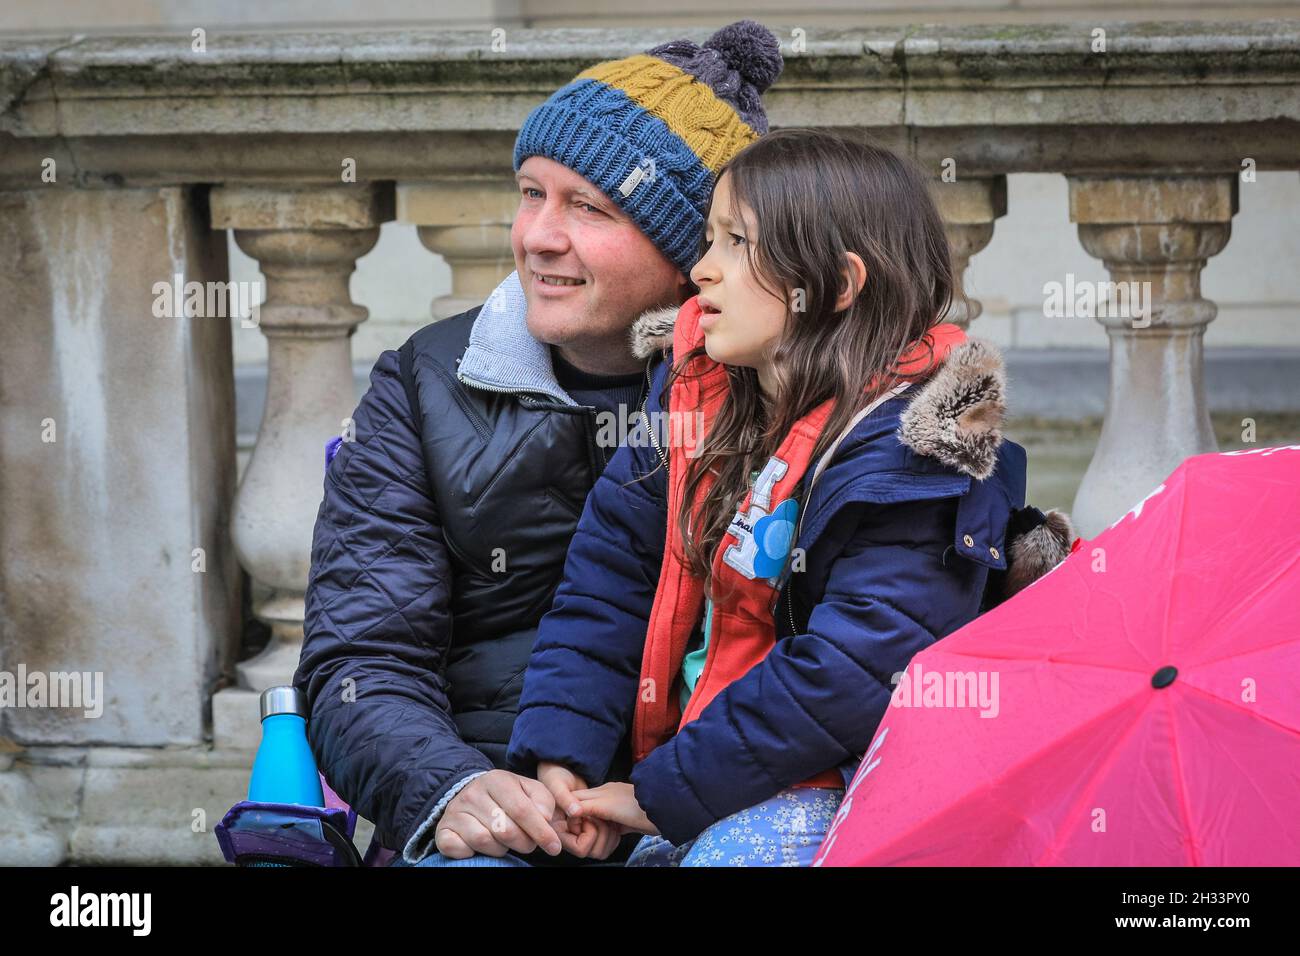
(437, 549)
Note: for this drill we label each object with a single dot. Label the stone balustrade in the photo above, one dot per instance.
(122, 159)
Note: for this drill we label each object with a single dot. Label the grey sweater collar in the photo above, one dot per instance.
(502, 355)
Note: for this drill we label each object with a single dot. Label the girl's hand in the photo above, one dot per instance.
(616, 803)
(590, 837)
(561, 781)
(587, 838)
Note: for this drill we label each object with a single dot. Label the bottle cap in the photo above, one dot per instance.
(285, 699)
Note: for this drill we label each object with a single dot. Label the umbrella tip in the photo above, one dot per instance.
(1164, 677)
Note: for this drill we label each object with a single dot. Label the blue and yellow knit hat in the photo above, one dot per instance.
(652, 130)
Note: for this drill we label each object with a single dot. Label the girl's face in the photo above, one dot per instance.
(742, 322)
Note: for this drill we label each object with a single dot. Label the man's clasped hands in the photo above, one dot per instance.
(499, 811)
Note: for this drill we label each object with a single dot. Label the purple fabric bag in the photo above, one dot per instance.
(287, 834)
(332, 449)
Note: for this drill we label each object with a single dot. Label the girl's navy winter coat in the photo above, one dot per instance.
(901, 533)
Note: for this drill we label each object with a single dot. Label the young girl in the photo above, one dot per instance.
(816, 400)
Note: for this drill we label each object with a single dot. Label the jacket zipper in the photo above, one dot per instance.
(654, 439)
(789, 606)
(484, 430)
(496, 388)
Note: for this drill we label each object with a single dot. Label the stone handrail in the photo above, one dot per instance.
(435, 103)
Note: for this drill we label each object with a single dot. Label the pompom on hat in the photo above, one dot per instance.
(651, 131)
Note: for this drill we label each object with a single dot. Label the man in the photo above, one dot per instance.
(441, 537)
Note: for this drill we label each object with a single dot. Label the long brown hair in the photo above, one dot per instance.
(814, 196)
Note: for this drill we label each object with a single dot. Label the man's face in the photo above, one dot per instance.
(588, 271)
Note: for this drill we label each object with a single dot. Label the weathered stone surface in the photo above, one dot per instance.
(969, 206)
(235, 723)
(101, 525)
(468, 224)
(1099, 200)
(29, 833)
(345, 206)
(1153, 234)
(152, 808)
(115, 806)
(407, 104)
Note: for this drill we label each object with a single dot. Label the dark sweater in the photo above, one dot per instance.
(616, 395)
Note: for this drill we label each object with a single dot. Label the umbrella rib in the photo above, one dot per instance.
(1192, 851)
(1039, 660)
(1235, 706)
(1266, 584)
(1245, 775)
(1091, 788)
(985, 786)
(1256, 650)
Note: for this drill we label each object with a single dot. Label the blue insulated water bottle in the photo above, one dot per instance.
(284, 771)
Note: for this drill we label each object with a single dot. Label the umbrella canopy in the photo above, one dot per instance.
(1137, 706)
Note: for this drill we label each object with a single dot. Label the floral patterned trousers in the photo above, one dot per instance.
(786, 830)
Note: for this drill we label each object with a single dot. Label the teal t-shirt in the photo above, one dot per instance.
(693, 663)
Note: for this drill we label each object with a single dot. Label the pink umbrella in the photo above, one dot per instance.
(1138, 706)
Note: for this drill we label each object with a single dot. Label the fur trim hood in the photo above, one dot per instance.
(653, 332)
(956, 417)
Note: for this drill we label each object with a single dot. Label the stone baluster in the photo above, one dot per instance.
(468, 224)
(969, 207)
(307, 241)
(1158, 230)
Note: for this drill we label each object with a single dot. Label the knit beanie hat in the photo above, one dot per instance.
(652, 130)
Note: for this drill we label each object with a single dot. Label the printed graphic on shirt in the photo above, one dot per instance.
(763, 534)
